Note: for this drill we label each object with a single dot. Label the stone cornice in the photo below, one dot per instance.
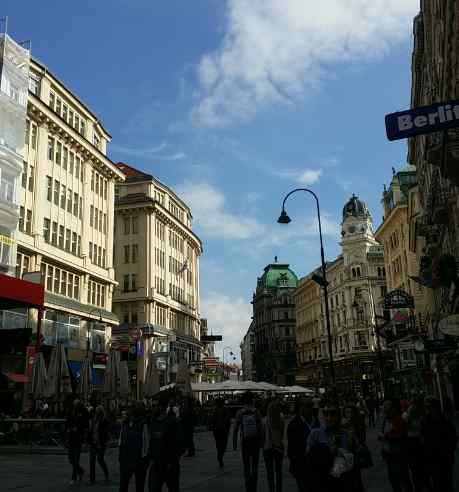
(57, 126)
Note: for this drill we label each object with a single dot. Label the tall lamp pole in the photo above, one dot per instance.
(321, 280)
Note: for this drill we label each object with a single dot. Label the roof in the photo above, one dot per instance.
(355, 208)
(278, 275)
(46, 69)
(132, 173)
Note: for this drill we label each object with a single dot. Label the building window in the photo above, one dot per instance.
(91, 215)
(63, 196)
(61, 236)
(133, 281)
(135, 228)
(127, 225)
(92, 180)
(49, 188)
(135, 253)
(69, 201)
(51, 149)
(126, 283)
(46, 229)
(74, 243)
(127, 253)
(28, 223)
(21, 218)
(58, 153)
(24, 175)
(31, 178)
(75, 204)
(57, 188)
(68, 234)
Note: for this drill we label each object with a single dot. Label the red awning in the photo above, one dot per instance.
(16, 377)
(15, 292)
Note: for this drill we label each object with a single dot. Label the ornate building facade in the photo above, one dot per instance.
(274, 325)
(435, 79)
(248, 353)
(356, 287)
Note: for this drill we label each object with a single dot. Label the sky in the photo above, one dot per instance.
(233, 103)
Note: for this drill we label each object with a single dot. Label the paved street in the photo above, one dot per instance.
(51, 473)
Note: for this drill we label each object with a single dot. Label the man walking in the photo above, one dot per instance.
(221, 424)
(165, 449)
(97, 439)
(249, 425)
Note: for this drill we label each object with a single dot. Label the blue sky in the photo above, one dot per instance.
(233, 103)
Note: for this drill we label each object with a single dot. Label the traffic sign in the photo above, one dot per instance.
(422, 120)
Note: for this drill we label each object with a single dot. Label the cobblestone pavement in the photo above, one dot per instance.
(51, 473)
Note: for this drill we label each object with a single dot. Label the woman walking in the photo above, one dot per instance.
(98, 438)
(273, 445)
(76, 428)
(221, 424)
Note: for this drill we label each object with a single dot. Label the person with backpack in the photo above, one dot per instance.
(249, 425)
(133, 448)
(220, 425)
(165, 449)
(97, 439)
(273, 445)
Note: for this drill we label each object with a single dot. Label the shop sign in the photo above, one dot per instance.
(397, 299)
(422, 120)
(450, 325)
(99, 358)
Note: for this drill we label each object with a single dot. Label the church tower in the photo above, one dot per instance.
(356, 232)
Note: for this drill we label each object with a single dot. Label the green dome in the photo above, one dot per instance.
(279, 275)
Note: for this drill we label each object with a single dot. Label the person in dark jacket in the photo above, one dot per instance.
(220, 425)
(76, 427)
(188, 419)
(165, 449)
(97, 439)
(297, 435)
(133, 448)
(440, 441)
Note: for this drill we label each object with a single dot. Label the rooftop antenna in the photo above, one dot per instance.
(4, 20)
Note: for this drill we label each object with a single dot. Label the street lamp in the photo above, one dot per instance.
(231, 353)
(88, 338)
(320, 280)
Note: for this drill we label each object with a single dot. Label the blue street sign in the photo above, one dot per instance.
(422, 120)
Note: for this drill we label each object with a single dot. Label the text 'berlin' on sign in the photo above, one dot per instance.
(422, 120)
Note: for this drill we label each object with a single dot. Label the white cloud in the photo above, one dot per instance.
(208, 206)
(301, 177)
(138, 152)
(273, 51)
(227, 316)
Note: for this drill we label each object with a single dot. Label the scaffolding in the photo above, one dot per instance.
(14, 84)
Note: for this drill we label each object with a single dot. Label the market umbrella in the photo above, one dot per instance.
(37, 383)
(84, 384)
(111, 380)
(124, 389)
(58, 383)
(151, 386)
(183, 378)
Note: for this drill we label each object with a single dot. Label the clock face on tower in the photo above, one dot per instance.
(351, 229)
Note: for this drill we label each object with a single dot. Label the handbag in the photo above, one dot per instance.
(343, 462)
(363, 457)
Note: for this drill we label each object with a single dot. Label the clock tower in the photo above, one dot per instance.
(356, 231)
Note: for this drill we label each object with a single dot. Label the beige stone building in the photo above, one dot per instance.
(402, 266)
(356, 287)
(157, 269)
(65, 229)
(436, 158)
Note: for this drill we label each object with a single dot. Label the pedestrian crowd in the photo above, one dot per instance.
(325, 442)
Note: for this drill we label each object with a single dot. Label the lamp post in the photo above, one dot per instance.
(88, 338)
(321, 280)
(231, 353)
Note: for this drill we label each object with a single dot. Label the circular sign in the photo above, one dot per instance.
(450, 325)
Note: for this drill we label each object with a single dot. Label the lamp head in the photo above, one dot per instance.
(284, 218)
